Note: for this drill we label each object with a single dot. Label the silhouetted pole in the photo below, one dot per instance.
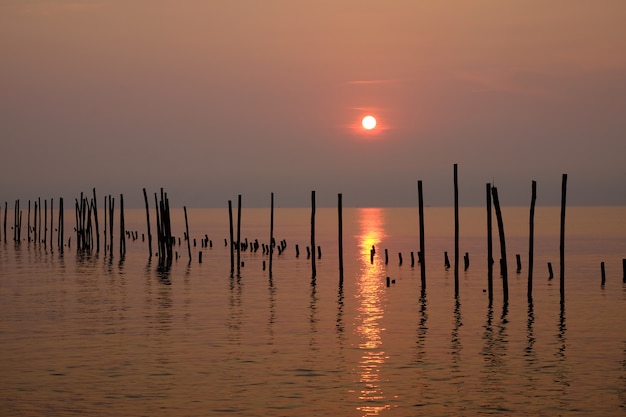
(503, 263)
(562, 240)
(230, 221)
(61, 225)
(531, 239)
(187, 231)
(340, 237)
(489, 246)
(238, 234)
(456, 231)
(421, 257)
(603, 274)
(271, 231)
(51, 222)
(95, 216)
(145, 198)
(624, 270)
(122, 227)
(313, 270)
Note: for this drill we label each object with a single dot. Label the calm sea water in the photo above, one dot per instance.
(108, 336)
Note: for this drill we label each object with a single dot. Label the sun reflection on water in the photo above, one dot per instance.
(370, 294)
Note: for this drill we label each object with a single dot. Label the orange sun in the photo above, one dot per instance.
(368, 122)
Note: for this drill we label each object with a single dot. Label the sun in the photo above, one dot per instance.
(368, 122)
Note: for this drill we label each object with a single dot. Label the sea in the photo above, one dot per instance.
(100, 333)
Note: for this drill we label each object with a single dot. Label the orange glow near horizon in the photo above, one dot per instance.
(370, 311)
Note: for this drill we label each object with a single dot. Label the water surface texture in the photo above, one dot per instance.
(101, 335)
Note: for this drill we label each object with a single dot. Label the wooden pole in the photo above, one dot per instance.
(505, 275)
(187, 231)
(531, 240)
(489, 246)
(562, 240)
(51, 221)
(624, 270)
(4, 235)
(111, 211)
(456, 231)
(145, 198)
(238, 234)
(95, 216)
(271, 250)
(340, 236)
(230, 221)
(61, 225)
(421, 256)
(603, 274)
(313, 270)
(122, 227)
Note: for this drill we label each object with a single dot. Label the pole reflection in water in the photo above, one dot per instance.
(370, 295)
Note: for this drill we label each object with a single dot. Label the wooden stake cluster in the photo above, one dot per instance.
(85, 210)
(164, 229)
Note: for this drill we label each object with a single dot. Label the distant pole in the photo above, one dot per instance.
(95, 216)
(145, 198)
(456, 231)
(489, 246)
(122, 227)
(603, 274)
(624, 270)
(422, 258)
(313, 233)
(531, 238)
(238, 234)
(562, 240)
(187, 231)
(503, 263)
(340, 237)
(271, 231)
(230, 220)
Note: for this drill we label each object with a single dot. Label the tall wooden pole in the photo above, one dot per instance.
(313, 270)
(238, 234)
(562, 240)
(505, 275)
(95, 216)
(456, 231)
(187, 231)
(271, 231)
(531, 239)
(489, 246)
(145, 198)
(340, 235)
(422, 256)
(230, 221)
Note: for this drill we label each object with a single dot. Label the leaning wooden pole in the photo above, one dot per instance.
(145, 198)
(313, 270)
(187, 231)
(489, 246)
(422, 257)
(271, 250)
(456, 231)
(505, 275)
(531, 239)
(562, 240)
(340, 235)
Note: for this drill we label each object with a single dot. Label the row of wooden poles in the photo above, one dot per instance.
(88, 233)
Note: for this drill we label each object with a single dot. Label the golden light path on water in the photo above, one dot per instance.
(370, 293)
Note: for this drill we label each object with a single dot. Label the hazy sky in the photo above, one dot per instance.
(211, 99)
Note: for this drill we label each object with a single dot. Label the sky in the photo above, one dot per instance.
(212, 99)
